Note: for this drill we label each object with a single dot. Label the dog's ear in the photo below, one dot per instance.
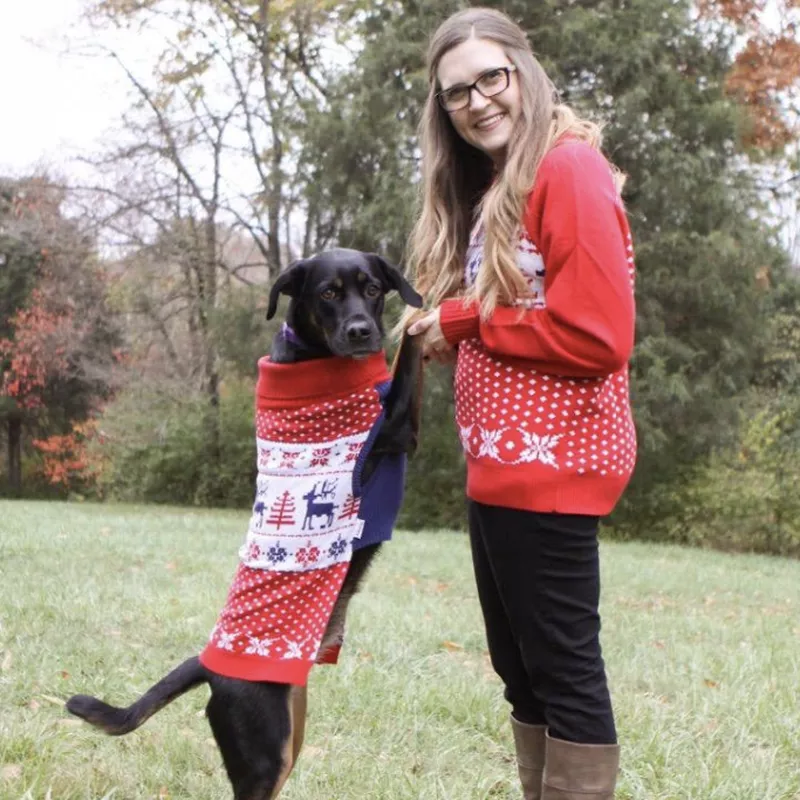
(395, 280)
(290, 282)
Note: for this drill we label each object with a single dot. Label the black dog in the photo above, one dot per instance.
(337, 300)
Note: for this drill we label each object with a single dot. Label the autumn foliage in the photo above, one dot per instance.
(35, 352)
(765, 75)
(60, 344)
(65, 458)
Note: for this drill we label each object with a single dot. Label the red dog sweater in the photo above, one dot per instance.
(315, 422)
(541, 388)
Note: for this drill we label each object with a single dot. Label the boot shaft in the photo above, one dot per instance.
(579, 771)
(529, 742)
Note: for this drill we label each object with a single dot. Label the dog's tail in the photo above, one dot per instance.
(118, 721)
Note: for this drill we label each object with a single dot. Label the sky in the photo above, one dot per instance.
(54, 104)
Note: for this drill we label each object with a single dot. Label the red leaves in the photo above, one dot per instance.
(767, 69)
(34, 353)
(739, 12)
(66, 459)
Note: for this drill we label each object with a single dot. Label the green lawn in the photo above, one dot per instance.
(703, 652)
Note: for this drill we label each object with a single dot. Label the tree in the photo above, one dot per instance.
(60, 347)
(19, 260)
(31, 356)
(658, 79)
(765, 74)
(282, 511)
(360, 150)
(349, 507)
(209, 158)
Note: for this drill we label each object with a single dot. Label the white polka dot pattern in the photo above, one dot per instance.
(517, 417)
(280, 616)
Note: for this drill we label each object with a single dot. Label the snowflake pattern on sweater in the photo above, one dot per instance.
(512, 416)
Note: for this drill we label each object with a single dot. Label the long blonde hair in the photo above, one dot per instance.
(457, 179)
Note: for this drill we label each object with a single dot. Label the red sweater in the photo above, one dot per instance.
(542, 401)
(314, 425)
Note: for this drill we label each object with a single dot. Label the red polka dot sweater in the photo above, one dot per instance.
(541, 388)
(315, 423)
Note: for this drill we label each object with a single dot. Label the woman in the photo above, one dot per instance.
(523, 251)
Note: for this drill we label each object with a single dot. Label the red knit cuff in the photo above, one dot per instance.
(460, 320)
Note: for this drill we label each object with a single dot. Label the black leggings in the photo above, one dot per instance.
(538, 579)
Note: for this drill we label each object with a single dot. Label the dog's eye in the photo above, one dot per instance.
(328, 294)
(372, 290)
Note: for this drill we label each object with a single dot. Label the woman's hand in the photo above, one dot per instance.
(434, 345)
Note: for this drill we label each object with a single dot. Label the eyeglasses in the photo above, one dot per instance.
(490, 83)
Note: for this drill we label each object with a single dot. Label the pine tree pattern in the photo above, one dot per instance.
(282, 511)
(350, 507)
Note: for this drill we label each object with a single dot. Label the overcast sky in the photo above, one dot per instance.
(53, 104)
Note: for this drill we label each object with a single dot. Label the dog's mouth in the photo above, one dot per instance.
(361, 354)
(361, 351)
(344, 347)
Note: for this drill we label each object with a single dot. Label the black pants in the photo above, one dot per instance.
(538, 579)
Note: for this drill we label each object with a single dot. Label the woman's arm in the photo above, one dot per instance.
(575, 217)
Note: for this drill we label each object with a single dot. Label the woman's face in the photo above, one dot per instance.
(485, 123)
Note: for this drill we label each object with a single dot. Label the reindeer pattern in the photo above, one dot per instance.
(315, 509)
(305, 514)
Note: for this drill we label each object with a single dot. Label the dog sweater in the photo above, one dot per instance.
(541, 388)
(315, 424)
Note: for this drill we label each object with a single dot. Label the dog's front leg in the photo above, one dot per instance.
(400, 429)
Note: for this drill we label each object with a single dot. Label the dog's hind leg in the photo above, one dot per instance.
(299, 701)
(298, 697)
(252, 723)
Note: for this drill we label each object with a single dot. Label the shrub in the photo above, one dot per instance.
(156, 447)
(745, 498)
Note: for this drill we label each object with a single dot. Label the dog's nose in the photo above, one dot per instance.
(358, 332)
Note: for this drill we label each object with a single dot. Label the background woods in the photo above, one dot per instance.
(132, 301)
(60, 344)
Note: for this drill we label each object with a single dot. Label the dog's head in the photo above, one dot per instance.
(337, 299)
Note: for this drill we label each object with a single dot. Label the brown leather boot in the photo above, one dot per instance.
(529, 742)
(579, 771)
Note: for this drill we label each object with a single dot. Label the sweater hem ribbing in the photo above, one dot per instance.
(256, 668)
(592, 495)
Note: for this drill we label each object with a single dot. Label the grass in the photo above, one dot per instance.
(703, 652)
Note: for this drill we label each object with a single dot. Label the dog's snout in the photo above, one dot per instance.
(358, 331)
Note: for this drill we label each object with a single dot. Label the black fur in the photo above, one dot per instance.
(251, 721)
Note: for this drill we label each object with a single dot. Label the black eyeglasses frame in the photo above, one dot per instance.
(507, 70)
